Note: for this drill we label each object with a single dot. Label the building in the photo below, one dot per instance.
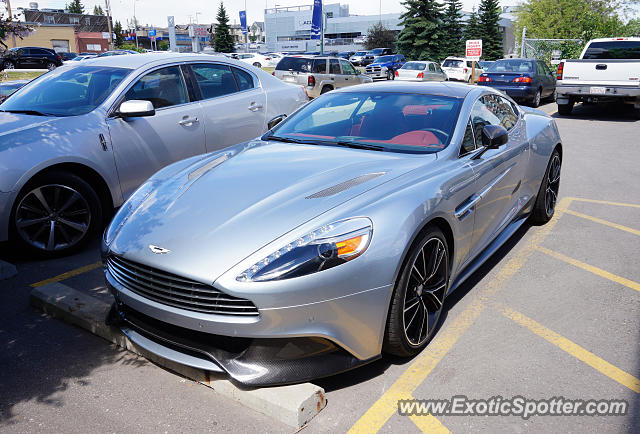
(91, 32)
(60, 37)
(289, 28)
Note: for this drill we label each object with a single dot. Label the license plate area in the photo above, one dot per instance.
(597, 90)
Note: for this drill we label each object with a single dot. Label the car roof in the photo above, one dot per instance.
(135, 61)
(455, 90)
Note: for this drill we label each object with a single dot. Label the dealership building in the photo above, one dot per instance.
(289, 28)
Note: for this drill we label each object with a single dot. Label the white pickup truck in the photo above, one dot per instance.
(608, 70)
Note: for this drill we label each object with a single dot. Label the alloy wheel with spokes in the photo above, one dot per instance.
(418, 298)
(553, 185)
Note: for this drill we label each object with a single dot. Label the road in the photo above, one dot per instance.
(555, 313)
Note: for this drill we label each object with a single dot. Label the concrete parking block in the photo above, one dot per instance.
(7, 270)
(293, 405)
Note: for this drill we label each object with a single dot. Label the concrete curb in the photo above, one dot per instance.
(293, 405)
(7, 270)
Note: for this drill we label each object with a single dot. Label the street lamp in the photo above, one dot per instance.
(135, 22)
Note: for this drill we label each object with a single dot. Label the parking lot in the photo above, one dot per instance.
(555, 313)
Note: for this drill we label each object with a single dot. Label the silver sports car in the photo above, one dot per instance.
(333, 238)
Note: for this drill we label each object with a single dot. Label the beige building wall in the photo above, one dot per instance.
(47, 36)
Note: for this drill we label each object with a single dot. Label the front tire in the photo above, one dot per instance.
(51, 66)
(257, 64)
(390, 75)
(8, 65)
(545, 205)
(418, 296)
(56, 214)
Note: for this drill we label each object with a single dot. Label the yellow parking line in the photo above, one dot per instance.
(604, 222)
(575, 350)
(378, 414)
(429, 424)
(605, 202)
(590, 268)
(67, 275)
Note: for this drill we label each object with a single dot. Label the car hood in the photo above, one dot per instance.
(219, 210)
(14, 125)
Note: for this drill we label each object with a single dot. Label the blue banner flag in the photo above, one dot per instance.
(316, 19)
(243, 21)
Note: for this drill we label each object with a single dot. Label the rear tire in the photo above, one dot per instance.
(545, 204)
(326, 89)
(565, 109)
(390, 75)
(51, 66)
(8, 65)
(257, 64)
(56, 214)
(535, 102)
(418, 296)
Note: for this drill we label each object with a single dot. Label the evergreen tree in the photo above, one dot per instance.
(75, 7)
(488, 19)
(117, 29)
(422, 35)
(97, 10)
(452, 26)
(472, 28)
(223, 41)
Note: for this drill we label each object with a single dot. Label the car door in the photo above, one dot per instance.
(25, 59)
(335, 73)
(431, 72)
(234, 106)
(349, 73)
(498, 172)
(548, 80)
(440, 73)
(144, 145)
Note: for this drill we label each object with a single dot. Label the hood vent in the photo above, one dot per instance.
(346, 185)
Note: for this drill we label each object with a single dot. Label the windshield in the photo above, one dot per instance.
(512, 65)
(383, 59)
(613, 50)
(381, 121)
(451, 63)
(360, 53)
(414, 66)
(67, 91)
(299, 64)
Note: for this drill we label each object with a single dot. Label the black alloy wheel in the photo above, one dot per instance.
(545, 205)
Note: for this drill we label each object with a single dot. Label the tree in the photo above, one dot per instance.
(12, 27)
(632, 28)
(75, 7)
(379, 36)
(472, 28)
(488, 24)
(571, 19)
(223, 41)
(163, 45)
(97, 10)
(453, 43)
(117, 29)
(422, 35)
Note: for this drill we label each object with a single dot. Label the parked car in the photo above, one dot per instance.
(335, 238)
(83, 57)
(318, 75)
(7, 88)
(116, 53)
(376, 52)
(31, 58)
(459, 69)
(67, 56)
(255, 59)
(527, 80)
(77, 141)
(606, 71)
(419, 70)
(385, 66)
(346, 54)
(358, 58)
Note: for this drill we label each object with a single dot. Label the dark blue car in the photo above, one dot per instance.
(526, 80)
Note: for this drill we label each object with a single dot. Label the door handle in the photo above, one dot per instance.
(188, 121)
(254, 107)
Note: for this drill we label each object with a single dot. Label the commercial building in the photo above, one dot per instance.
(60, 37)
(289, 28)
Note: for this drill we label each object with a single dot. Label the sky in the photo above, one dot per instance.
(155, 12)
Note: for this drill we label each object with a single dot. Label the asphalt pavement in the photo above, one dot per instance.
(555, 313)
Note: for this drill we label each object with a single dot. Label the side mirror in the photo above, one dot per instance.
(494, 136)
(136, 108)
(275, 121)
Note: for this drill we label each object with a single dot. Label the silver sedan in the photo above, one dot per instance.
(335, 237)
(76, 142)
(421, 71)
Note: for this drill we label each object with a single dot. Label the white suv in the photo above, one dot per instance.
(459, 68)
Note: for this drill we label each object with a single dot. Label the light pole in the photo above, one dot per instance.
(135, 22)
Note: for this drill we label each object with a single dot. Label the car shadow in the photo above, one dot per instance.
(608, 112)
(378, 367)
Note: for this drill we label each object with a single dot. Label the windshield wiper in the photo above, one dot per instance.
(290, 140)
(27, 112)
(359, 145)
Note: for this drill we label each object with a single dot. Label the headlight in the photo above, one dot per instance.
(134, 201)
(319, 250)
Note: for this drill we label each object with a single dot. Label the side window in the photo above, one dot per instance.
(243, 78)
(214, 80)
(163, 88)
(320, 66)
(334, 66)
(492, 110)
(347, 68)
(438, 68)
(468, 142)
(432, 68)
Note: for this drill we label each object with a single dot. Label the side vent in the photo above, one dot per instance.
(346, 185)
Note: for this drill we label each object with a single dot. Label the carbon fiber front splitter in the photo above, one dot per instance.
(249, 362)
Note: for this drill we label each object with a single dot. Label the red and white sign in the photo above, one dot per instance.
(474, 49)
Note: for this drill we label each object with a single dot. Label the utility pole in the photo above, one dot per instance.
(522, 41)
(13, 37)
(135, 22)
(108, 7)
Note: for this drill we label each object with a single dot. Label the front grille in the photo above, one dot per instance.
(176, 291)
(373, 70)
